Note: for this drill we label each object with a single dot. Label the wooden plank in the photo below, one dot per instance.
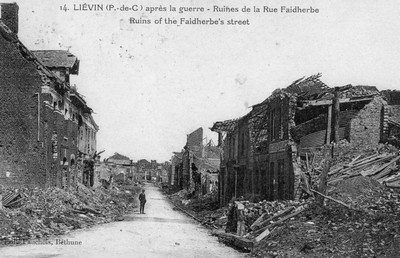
(307, 163)
(279, 214)
(300, 210)
(370, 159)
(370, 171)
(353, 161)
(357, 167)
(258, 221)
(383, 173)
(330, 198)
(263, 235)
(329, 102)
(335, 171)
(297, 212)
(393, 184)
(366, 158)
(313, 161)
(393, 179)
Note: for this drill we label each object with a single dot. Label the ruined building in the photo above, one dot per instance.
(262, 150)
(122, 167)
(196, 167)
(175, 179)
(46, 124)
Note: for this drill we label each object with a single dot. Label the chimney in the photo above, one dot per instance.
(9, 15)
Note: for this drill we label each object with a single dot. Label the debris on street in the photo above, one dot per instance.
(40, 213)
(358, 215)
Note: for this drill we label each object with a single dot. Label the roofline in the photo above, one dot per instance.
(11, 36)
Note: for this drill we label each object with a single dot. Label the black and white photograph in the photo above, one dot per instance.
(181, 128)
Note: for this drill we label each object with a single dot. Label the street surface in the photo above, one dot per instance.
(160, 232)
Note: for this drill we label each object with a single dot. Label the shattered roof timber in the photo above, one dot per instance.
(57, 59)
(225, 126)
(325, 102)
(347, 94)
(310, 91)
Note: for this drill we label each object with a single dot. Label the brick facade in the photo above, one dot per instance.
(21, 154)
(40, 125)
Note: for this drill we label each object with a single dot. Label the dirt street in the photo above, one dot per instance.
(161, 232)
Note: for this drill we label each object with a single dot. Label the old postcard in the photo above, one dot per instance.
(199, 128)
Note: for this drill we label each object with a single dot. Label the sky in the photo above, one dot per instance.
(152, 84)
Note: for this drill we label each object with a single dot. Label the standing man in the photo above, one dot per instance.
(142, 199)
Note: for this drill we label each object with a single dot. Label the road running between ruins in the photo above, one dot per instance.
(160, 232)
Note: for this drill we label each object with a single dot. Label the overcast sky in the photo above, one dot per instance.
(151, 85)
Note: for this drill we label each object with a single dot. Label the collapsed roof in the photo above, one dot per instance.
(305, 92)
(58, 59)
(227, 126)
(118, 156)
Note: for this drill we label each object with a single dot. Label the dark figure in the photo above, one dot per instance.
(142, 199)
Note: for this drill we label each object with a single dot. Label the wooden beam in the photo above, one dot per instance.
(327, 102)
(258, 221)
(329, 125)
(330, 198)
(299, 210)
(279, 214)
(336, 111)
(323, 180)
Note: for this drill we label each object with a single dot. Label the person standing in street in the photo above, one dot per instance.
(142, 199)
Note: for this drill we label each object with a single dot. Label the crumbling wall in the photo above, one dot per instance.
(365, 128)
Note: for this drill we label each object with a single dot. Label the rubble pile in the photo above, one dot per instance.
(381, 167)
(358, 216)
(308, 229)
(204, 209)
(207, 202)
(44, 212)
(336, 231)
(253, 213)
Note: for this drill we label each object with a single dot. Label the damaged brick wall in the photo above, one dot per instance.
(37, 138)
(21, 155)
